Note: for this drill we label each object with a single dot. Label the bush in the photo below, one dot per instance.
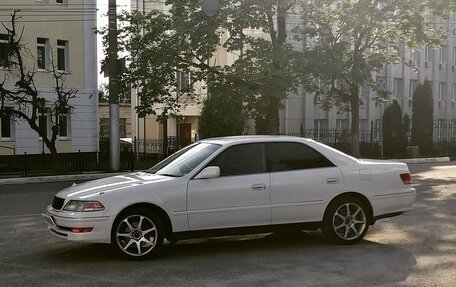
(394, 138)
(422, 118)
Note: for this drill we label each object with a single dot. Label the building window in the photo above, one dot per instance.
(62, 55)
(6, 123)
(442, 91)
(43, 124)
(413, 86)
(104, 128)
(453, 96)
(454, 56)
(398, 88)
(4, 51)
(64, 125)
(427, 54)
(443, 54)
(123, 127)
(342, 125)
(183, 81)
(59, 1)
(42, 51)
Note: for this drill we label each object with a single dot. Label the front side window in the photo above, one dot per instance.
(62, 55)
(295, 156)
(42, 45)
(241, 159)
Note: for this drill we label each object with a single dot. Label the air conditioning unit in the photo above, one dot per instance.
(427, 64)
(442, 66)
(318, 99)
(441, 104)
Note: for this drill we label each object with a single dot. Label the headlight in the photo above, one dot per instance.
(79, 205)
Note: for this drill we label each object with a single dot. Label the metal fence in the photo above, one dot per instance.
(64, 163)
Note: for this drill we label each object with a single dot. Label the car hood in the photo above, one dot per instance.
(88, 189)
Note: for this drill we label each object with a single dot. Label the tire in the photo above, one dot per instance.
(345, 221)
(137, 234)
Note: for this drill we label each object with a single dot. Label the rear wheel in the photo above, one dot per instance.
(345, 221)
(137, 233)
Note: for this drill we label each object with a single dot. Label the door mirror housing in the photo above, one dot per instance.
(209, 172)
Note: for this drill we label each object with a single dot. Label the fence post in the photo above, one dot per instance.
(80, 161)
(25, 163)
(132, 161)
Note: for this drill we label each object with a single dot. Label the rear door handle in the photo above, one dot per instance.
(259, 187)
(333, 180)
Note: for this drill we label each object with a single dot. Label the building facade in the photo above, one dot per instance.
(60, 33)
(302, 111)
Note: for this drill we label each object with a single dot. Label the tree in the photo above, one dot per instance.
(349, 41)
(422, 118)
(394, 138)
(222, 113)
(19, 89)
(185, 39)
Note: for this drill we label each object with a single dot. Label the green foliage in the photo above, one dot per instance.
(394, 138)
(185, 39)
(422, 118)
(350, 40)
(222, 112)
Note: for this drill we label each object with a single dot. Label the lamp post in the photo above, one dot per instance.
(382, 102)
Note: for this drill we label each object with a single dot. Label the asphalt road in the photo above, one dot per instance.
(415, 249)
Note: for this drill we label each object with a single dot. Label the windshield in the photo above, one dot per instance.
(185, 160)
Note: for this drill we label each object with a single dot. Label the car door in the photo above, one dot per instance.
(240, 196)
(302, 181)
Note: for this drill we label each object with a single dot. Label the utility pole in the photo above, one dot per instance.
(114, 134)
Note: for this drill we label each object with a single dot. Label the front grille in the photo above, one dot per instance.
(57, 203)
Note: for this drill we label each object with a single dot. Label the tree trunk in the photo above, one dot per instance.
(354, 109)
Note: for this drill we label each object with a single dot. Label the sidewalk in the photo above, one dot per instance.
(92, 176)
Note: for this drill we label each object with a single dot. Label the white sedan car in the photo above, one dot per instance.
(234, 185)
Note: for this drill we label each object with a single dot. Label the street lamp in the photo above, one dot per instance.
(382, 102)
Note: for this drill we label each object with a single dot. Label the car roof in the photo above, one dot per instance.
(253, 139)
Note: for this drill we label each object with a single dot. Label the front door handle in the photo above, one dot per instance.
(259, 187)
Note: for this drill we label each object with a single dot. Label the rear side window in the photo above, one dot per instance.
(241, 159)
(295, 156)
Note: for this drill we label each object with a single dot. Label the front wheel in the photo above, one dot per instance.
(137, 233)
(345, 221)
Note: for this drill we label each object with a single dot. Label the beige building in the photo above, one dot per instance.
(60, 32)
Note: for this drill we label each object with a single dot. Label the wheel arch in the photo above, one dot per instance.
(153, 208)
(359, 196)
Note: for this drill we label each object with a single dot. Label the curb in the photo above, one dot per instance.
(57, 178)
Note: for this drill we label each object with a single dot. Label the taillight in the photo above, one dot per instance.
(406, 178)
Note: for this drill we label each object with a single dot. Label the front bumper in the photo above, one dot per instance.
(60, 224)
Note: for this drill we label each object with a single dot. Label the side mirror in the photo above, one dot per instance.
(209, 172)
